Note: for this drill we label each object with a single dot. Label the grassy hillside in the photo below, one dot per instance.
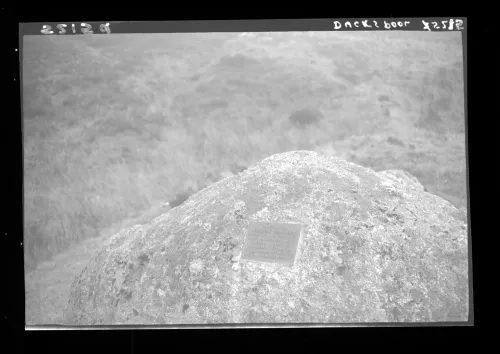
(116, 126)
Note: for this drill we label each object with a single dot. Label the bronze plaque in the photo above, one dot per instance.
(271, 242)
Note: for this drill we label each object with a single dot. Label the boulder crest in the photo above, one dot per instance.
(374, 248)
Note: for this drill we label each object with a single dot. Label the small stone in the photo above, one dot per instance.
(196, 266)
(214, 247)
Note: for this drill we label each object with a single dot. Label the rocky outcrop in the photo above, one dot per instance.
(375, 248)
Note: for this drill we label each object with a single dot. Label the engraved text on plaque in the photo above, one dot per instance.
(271, 242)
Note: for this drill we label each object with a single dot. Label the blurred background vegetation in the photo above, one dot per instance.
(116, 126)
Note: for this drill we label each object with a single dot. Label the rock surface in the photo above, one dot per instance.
(375, 248)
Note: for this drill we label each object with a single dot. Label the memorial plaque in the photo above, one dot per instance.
(271, 242)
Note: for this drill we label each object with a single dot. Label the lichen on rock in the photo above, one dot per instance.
(375, 248)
